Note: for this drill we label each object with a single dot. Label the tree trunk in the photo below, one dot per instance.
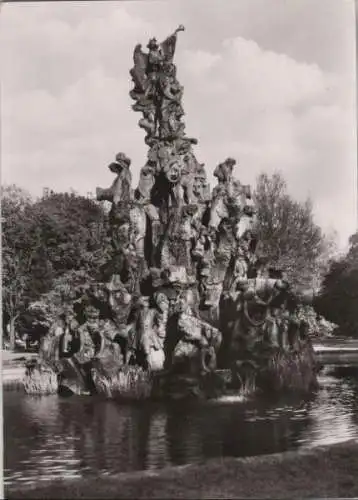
(12, 333)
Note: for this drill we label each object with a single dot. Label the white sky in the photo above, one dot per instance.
(269, 82)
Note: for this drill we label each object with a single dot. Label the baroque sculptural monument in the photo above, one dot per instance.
(190, 303)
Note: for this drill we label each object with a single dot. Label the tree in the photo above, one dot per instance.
(74, 232)
(288, 236)
(44, 240)
(339, 294)
(35, 322)
(19, 246)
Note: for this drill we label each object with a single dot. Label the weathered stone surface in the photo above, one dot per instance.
(185, 298)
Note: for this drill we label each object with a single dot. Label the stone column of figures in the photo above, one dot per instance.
(184, 292)
(188, 252)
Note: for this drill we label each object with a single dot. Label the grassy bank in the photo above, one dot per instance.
(9, 358)
(323, 472)
(13, 368)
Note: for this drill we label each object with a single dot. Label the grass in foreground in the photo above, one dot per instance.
(324, 472)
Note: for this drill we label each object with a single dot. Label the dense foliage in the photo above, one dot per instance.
(287, 233)
(20, 248)
(42, 242)
(338, 299)
(73, 229)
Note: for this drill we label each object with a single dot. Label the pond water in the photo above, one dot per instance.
(50, 437)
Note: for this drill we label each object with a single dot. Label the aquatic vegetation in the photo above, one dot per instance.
(130, 382)
(248, 386)
(40, 380)
(289, 371)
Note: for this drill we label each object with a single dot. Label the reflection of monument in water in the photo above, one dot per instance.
(185, 304)
(50, 450)
(224, 430)
(79, 437)
(157, 451)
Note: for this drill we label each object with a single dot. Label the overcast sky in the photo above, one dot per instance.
(269, 82)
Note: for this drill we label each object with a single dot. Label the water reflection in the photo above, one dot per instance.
(50, 437)
(334, 410)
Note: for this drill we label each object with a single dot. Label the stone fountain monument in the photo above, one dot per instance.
(192, 308)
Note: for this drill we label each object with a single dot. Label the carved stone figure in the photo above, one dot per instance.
(148, 122)
(162, 305)
(171, 110)
(89, 337)
(160, 155)
(201, 187)
(138, 227)
(139, 72)
(155, 57)
(120, 301)
(169, 44)
(223, 173)
(221, 209)
(198, 340)
(50, 345)
(119, 218)
(146, 183)
(151, 340)
(177, 240)
(121, 187)
(173, 173)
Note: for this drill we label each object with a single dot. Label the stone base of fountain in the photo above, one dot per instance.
(279, 371)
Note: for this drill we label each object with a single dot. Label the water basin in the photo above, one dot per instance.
(47, 437)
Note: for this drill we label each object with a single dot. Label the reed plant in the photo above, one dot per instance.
(130, 382)
(248, 386)
(245, 377)
(40, 380)
(290, 371)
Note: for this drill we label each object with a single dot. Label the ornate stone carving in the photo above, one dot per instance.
(181, 298)
(120, 191)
